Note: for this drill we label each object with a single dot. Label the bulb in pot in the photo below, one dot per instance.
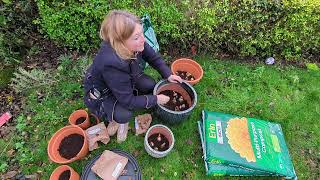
(174, 94)
(159, 138)
(174, 100)
(151, 144)
(162, 145)
(180, 99)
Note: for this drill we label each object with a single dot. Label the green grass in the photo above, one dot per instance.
(286, 95)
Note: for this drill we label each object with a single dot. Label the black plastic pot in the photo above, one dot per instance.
(132, 167)
(186, 90)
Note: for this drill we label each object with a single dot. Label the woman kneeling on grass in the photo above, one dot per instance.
(114, 84)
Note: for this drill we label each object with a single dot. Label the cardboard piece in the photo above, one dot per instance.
(97, 133)
(142, 123)
(110, 165)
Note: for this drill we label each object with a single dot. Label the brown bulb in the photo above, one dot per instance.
(162, 145)
(155, 148)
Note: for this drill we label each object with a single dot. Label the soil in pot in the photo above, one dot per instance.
(80, 120)
(71, 145)
(185, 75)
(158, 142)
(176, 102)
(65, 175)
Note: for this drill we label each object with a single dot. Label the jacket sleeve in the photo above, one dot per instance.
(156, 61)
(119, 82)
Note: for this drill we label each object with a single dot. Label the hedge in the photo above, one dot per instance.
(285, 29)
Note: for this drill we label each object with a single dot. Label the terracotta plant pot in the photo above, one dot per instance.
(77, 115)
(166, 132)
(59, 170)
(56, 139)
(188, 65)
(188, 93)
(97, 120)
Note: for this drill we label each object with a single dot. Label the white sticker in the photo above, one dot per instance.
(116, 170)
(219, 132)
(94, 131)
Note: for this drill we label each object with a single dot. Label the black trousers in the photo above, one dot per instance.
(107, 108)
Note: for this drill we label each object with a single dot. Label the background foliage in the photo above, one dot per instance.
(286, 29)
(16, 29)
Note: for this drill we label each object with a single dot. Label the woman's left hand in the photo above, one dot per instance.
(175, 79)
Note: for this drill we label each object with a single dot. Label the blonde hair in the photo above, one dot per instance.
(117, 27)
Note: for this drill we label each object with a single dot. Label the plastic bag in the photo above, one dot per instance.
(149, 35)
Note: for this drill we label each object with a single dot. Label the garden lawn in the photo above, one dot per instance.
(287, 95)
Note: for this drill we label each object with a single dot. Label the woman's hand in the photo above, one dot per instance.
(162, 99)
(174, 79)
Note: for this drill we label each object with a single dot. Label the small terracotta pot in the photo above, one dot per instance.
(96, 118)
(80, 114)
(166, 132)
(56, 139)
(188, 65)
(59, 170)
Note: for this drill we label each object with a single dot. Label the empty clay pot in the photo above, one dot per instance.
(59, 170)
(166, 132)
(188, 65)
(55, 142)
(80, 114)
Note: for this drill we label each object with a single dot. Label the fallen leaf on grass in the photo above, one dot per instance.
(11, 152)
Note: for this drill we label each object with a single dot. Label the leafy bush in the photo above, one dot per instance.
(16, 24)
(286, 29)
(24, 80)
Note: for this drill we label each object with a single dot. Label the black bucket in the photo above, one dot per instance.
(132, 167)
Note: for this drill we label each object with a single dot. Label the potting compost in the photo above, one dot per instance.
(65, 175)
(158, 142)
(176, 102)
(236, 145)
(80, 120)
(71, 145)
(185, 75)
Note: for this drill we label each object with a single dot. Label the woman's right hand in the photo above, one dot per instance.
(162, 99)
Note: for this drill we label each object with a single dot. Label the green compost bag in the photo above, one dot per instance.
(219, 169)
(149, 35)
(247, 143)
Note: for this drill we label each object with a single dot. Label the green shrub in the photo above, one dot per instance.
(286, 29)
(16, 26)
